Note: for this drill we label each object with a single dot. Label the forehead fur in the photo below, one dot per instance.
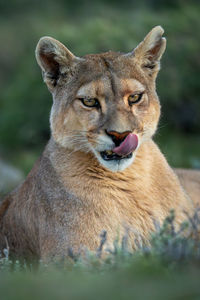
(116, 63)
(101, 67)
(105, 86)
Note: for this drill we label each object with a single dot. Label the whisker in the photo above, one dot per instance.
(82, 139)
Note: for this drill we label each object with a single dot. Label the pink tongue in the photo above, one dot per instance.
(128, 145)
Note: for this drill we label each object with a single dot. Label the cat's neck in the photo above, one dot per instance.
(72, 165)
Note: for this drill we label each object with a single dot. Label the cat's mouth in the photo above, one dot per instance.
(122, 151)
(110, 155)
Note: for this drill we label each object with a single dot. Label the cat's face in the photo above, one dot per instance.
(103, 103)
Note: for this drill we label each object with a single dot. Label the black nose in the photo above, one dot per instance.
(118, 137)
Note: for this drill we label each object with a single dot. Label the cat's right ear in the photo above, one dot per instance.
(149, 52)
(54, 59)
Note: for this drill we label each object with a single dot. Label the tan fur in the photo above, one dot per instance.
(71, 194)
(190, 180)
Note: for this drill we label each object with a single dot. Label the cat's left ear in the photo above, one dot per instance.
(149, 52)
(54, 59)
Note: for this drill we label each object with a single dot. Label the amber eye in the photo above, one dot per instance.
(132, 99)
(90, 102)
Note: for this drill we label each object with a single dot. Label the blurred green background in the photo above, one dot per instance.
(91, 27)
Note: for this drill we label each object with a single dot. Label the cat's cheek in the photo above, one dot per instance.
(93, 119)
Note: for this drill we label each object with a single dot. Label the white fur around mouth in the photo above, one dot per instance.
(114, 165)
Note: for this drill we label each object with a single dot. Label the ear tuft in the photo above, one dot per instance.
(149, 52)
(53, 58)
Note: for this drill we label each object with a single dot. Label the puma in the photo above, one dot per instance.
(101, 169)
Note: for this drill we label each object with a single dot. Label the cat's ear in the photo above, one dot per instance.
(149, 52)
(54, 59)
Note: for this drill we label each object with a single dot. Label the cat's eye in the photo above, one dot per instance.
(90, 102)
(135, 98)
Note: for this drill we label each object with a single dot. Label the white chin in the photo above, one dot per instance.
(115, 165)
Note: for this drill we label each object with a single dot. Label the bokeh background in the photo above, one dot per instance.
(91, 27)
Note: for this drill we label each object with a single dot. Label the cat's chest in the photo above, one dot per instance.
(107, 208)
(80, 215)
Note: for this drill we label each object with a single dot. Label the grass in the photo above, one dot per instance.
(168, 269)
